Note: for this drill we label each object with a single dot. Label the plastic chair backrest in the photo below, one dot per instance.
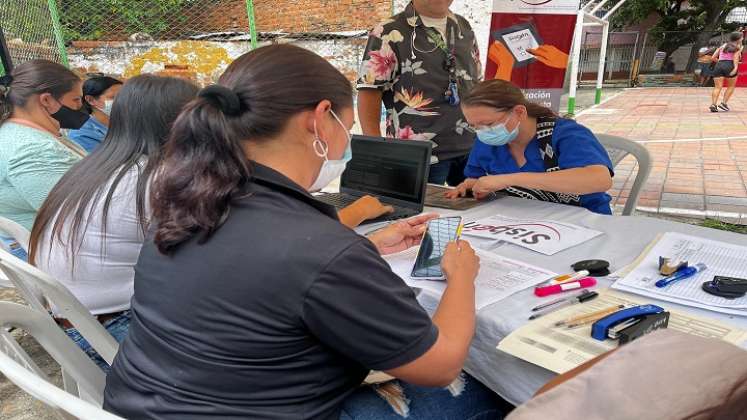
(38, 289)
(89, 378)
(618, 148)
(20, 233)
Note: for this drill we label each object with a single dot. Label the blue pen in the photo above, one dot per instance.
(681, 274)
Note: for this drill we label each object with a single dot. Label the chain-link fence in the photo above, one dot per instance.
(190, 38)
(31, 31)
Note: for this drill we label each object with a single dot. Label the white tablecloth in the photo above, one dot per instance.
(624, 239)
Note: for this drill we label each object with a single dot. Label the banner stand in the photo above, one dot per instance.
(589, 13)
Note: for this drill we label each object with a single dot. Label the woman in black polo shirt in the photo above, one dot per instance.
(251, 299)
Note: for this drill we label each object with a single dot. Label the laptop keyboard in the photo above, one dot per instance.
(338, 200)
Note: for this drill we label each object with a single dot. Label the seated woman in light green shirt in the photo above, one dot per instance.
(36, 100)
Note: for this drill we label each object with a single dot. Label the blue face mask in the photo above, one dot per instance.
(497, 135)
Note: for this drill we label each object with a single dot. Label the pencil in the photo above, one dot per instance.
(585, 319)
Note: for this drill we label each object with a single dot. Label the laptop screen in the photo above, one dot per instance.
(390, 168)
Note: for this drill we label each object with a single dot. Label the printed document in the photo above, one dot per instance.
(561, 349)
(543, 236)
(499, 277)
(721, 259)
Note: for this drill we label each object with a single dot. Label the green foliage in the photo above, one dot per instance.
(680, 21)
(715, 224)
(118, 19)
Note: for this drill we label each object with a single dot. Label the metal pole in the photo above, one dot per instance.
(252, 23)
(576, 55)
(6, 62)
(613, 9)
(598, 6)
(602, 59)
(58, 31)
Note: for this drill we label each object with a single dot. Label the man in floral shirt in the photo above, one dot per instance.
(420, 63)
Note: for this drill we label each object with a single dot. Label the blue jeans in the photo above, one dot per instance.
(117, 327)
(476, 402)
(449, 171)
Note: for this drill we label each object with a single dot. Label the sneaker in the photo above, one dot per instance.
(714, 108)
(724, 106)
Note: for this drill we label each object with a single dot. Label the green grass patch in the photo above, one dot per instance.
(716, 224)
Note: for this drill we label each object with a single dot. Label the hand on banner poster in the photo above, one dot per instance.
(500, 55)
(550, 56)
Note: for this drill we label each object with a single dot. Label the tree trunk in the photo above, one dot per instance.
(715, 15)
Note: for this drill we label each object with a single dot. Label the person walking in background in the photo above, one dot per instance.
(420, 63)
(729, 56)
(705, 62)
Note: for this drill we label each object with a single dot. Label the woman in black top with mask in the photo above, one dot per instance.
(251, 299)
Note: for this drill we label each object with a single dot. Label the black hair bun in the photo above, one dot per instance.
(224, 98)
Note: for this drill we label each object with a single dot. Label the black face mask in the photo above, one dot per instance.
(70, 118)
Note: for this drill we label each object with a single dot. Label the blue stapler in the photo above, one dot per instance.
(631, 323)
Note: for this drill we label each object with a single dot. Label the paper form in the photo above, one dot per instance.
(722, 259)
(560, 349)
(499, 277)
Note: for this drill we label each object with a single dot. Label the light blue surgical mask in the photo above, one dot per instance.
(331, 169)
(497, 135)
(108, 107)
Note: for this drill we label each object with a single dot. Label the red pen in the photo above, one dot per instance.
(564, 287)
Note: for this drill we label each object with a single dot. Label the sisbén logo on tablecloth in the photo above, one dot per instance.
(516, 232)
(544, 236)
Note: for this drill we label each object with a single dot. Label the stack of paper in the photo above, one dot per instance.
(722, 259)
(561, 349)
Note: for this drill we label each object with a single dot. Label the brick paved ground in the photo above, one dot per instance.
(700, 158)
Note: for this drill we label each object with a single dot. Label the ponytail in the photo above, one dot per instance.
(33, 78)
(503, 95)
(734, 43)
(205, 168)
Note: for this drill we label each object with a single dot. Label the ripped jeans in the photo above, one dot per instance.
(474, 402)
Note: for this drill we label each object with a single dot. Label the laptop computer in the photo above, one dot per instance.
(394, 171)
(435, 197)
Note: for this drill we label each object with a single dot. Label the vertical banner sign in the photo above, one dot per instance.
(530, 43)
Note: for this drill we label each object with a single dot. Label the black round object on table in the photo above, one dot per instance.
(596, 268)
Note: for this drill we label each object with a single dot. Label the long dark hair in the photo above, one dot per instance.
(97, 86)
(140, 121)
(205, 168)
(31, 78)
(503, 95)
(735, 42)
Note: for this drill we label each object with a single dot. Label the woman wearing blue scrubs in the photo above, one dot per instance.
(98, 95)
(526, 150)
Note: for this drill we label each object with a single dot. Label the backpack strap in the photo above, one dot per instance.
(545, 131)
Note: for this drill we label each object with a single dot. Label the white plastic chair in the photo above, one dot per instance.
(618, 148)
(20, 233)
(90, 380)
(39, 289)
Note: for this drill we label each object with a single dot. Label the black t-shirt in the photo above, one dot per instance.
(279, 315)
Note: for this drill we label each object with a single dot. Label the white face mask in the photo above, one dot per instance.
(107, 109)
(331, 169)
